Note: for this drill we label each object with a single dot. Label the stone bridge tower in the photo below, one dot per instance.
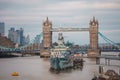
(47, 34)
(93, 31)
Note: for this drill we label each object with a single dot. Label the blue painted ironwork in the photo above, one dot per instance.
(20, 49)
(108, 40)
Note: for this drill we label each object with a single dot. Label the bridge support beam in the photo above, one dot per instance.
(97, 60)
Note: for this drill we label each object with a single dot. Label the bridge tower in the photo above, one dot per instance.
(93, 31)
(47, 34)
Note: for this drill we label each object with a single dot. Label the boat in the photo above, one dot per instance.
(61, 57)
(15, 74)
(108, 75)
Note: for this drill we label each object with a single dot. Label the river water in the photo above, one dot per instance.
(36, 68)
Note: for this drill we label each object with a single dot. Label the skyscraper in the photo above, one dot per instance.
(16, 36)
(11, 34)
(2, 28)
(27, 39)
(21, 36)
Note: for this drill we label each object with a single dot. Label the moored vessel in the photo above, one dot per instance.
(62, 58)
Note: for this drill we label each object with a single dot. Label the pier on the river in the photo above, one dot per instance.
(107, 58)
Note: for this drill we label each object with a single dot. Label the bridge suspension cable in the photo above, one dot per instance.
(108, 40)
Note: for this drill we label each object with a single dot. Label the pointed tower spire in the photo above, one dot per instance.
(93, 18)
(47, 19)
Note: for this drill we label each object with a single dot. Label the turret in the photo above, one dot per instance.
(47, 22)
(47, 34)
(93, 22)
(93, 30)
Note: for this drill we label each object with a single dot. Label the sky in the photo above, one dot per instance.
(30, 15)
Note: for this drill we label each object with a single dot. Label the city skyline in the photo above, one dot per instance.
(17, 36)
(63, 13)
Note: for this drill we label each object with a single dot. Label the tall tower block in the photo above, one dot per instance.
(47, 34)
(93, 30)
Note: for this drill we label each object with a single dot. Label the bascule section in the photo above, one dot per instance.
(93, 32)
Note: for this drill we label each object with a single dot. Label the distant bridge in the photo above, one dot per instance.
(107, 58)
(32, 47)
(110, 50)
(19, 51)
(102, 50)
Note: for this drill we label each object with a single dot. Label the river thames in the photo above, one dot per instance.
(36, 68)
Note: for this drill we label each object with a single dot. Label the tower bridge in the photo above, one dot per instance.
(93, 49)
(93, 31)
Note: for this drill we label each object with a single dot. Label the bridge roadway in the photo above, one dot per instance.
(107, 58)
(103, 50)
(69, 29)
(112, 57)
(110, 50)
(18, 51)
(84, 50)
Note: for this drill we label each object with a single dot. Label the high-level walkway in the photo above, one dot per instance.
(69, 29)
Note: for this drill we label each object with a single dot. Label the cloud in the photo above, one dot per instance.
(22, 20)
(77, 5)
(20, 4)
(6, 12)
(62, 13)
(21, 1)
(61, 8)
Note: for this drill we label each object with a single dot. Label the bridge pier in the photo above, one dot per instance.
(97, 60)
(22, 55)
(107, 61)
(45, 53)
(93, 53)
(101, 71)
